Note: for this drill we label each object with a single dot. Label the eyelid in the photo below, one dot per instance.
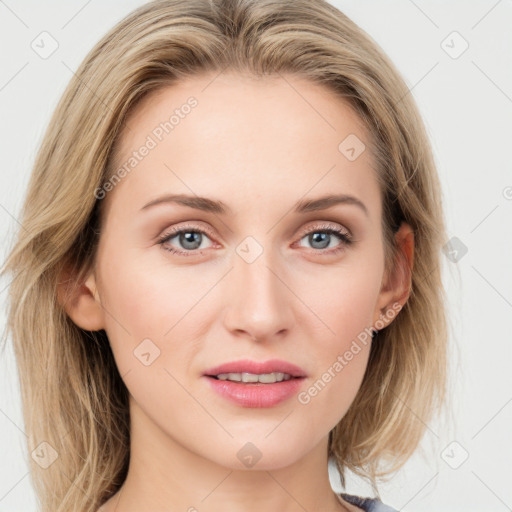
(184, 226)
(304, 231)
(325, 225)
(337, 229)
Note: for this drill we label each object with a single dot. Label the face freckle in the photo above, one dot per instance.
(261, 280)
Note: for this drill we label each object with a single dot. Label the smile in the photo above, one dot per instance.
(264, 378)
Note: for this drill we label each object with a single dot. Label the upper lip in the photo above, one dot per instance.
(256, 367)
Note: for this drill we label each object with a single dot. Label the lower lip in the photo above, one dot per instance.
(256, 394)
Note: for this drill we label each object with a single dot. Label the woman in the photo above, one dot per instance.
(229, 272)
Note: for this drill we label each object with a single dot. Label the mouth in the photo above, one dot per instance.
(254, 378)
(256, 384)
(247, 371)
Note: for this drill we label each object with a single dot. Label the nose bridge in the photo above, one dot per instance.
(258, 301)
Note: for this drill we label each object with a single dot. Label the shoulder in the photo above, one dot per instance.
(367, 504)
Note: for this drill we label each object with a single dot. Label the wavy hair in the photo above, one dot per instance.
(72, 394)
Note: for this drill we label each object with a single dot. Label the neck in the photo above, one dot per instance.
(163, 475)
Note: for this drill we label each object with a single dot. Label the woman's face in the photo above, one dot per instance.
(258, 273)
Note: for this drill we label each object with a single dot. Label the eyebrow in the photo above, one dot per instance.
(218, 207)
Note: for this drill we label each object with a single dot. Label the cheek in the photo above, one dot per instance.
(344, 300)
(152, 301)
(145, 293)
(342, 358)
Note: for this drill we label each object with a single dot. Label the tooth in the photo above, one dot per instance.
(249, 377)
(267, 378)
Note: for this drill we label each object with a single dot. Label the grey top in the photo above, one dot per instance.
(367, 504)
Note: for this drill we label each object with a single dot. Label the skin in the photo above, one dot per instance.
(259, 146)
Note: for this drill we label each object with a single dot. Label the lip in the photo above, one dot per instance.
(248, 366)
(256, 394)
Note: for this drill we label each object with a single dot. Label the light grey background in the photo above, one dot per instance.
(466, 102)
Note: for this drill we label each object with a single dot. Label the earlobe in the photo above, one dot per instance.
(396, 287)
(81, 302)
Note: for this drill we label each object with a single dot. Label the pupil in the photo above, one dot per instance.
(190, 237)
(315, 236)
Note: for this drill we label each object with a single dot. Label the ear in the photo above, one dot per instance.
(81, 301)
(396, 284)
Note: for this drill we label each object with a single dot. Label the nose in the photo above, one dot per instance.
(259, 303)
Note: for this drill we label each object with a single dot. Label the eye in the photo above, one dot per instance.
(189, 238)
(320, 238)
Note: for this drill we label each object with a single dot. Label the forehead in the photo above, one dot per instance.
(244, 138)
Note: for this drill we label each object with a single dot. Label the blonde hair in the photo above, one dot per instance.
(73, 396)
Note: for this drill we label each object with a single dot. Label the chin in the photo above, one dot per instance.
(260, 455)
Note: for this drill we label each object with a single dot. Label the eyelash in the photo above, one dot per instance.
(343, 235)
